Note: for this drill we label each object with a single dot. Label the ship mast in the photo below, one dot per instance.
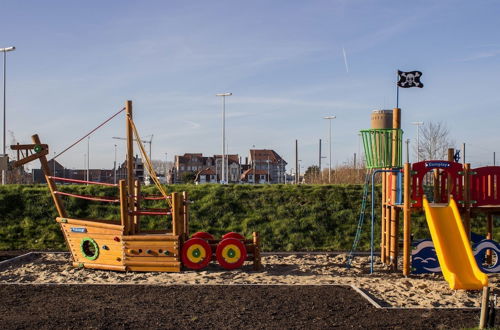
(130, 165)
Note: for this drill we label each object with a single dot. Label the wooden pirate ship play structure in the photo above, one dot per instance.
(121, 245)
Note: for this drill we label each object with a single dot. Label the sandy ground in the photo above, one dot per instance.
(390, 289)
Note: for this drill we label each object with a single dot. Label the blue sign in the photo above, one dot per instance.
(437, 164)
(424, 258)
(78, 229)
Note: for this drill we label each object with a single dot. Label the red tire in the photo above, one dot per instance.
(231, 253)
(196, 253)
(202, 235)
(234, 235)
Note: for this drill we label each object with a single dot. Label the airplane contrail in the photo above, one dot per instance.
(345, 60)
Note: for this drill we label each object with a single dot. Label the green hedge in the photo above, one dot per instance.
(288, 217)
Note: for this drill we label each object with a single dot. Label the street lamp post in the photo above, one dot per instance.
(329, 118)
(4, 51)
(223, 174)
(418, 124)
(114, 168)
(88, 159)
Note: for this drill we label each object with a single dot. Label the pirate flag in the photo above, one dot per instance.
(409, 79)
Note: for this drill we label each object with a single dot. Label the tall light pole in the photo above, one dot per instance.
(223, 174)
(114, 168)
(4, 51)
(88, 159)
(418, 124)
(329, 118)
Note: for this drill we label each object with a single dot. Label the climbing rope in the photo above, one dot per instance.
(148, 164)
(92, 131)
(361, 219)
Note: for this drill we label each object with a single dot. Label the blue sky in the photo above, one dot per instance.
(77, 62)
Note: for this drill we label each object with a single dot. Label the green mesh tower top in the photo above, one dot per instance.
(377, 144)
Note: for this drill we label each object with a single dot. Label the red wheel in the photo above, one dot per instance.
(196, 253)
(202, 235)
(234, 235)
(231, 253)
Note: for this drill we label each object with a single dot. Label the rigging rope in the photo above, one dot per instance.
(82, 181)
(149, 165)
(90, 198)
(92, 131)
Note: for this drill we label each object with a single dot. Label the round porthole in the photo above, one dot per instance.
(90, 249)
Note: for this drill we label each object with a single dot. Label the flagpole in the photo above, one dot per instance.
(397, 91)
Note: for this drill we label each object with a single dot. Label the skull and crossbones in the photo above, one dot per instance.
(410, 79)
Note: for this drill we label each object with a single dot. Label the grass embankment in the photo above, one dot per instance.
(288, 217)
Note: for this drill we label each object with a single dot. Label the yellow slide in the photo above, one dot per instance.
(453, 248)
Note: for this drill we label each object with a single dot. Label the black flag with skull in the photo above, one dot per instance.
(409, 79)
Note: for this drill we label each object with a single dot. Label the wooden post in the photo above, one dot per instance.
(130, 164)
(388, 211)
(50, 183)
(137, 206)
(124, 206)
(186, 215)
(396, 124)
(437, 186)
(383, 225)
(484, 307)
(467, 203)
(489, 235)
(451, 155)
(176, 214)
(407, 220)
(256, 253)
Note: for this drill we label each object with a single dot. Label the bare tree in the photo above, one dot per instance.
(434, 141)
(161, 166)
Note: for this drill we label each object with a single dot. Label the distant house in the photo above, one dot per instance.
(265, 166)
(96, 175)
(206, 175)
(121, 171)
(255, 176)
(190, 163)
(233, 167)
(196, 162)
(270, 162)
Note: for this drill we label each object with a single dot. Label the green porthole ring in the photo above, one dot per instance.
(38, 148)
(90, 249)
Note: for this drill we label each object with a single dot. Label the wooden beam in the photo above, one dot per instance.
(31, 158)
(406, 220)
(130, 165)
(394, 222)
(28, 146)
(52, 186)
(185, 226)
(176, 214)
(383, 227)
(124, 207)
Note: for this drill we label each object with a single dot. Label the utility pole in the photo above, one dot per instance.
(88, 159)
(114, 168)
(319, 160)
(296, 161)
(329, 118)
